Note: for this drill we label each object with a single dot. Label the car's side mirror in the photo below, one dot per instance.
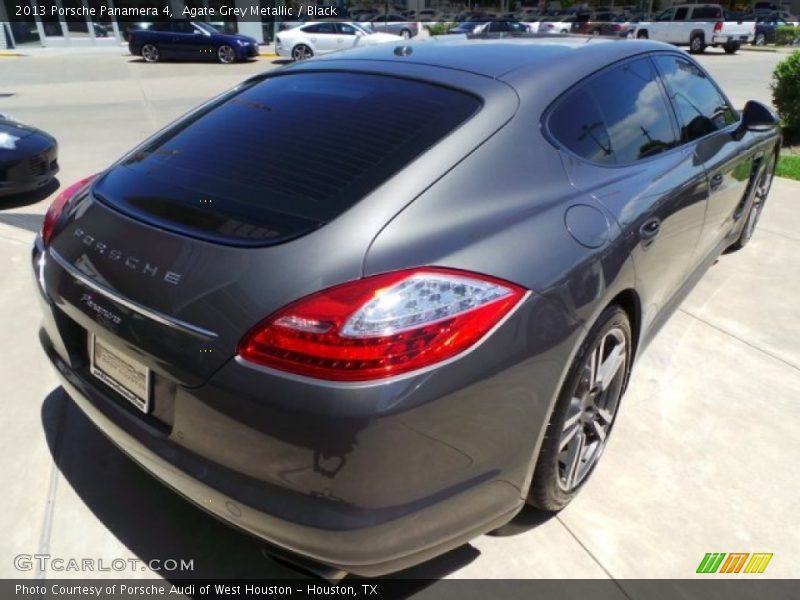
(758, 117)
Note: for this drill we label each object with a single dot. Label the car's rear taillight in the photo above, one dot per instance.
(718, 26)
(383, 325)
(57, 207)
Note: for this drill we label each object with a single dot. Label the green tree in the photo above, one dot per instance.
(786, 91)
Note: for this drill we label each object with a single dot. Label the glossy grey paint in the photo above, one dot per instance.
(375, 476)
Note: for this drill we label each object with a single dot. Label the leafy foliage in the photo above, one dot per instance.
(786, 91)
(785, 36)
(789, 166)
(440, 28)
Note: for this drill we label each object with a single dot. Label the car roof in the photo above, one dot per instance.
(497, 57)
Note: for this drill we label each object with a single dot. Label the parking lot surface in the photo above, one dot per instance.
(704, 455)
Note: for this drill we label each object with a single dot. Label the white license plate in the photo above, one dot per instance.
(126, 375)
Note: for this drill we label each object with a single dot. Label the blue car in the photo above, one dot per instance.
(190, 40)
(466, 27)
(765, 30)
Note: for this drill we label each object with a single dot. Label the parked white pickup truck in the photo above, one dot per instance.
(698, 26)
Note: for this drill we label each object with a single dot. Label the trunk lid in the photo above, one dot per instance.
(194, 238)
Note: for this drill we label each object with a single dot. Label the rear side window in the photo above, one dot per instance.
(680, 14)
(622, 113)
(320, 28)
(666, 15)
(346, 29)
(706, 13)
(303, 147)
(700, 106)
(578, 125)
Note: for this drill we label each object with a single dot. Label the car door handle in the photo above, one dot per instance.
(649, 231)
(716, 181)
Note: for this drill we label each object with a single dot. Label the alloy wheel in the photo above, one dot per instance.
(761, 40)
(759, 198)
(150, 53)
(226, 55)
(301, 52)
(591, 410)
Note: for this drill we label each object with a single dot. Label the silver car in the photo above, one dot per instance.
(394, 23)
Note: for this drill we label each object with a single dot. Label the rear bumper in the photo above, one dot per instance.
(368, 478)
(726, 39)
(368, 551)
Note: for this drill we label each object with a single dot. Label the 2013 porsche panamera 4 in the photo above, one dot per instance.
(367, 306)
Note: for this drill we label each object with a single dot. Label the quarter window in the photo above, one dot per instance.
(700, 106)
(578, 124)
(320, 28)
(617, 117)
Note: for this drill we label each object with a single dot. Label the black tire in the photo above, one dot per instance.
(697, 44)
(731, 48)
(226, 54)
(302, 52)
(642, 35)
(581, 402)
(760, 194)
(151, 53)
(406, 34)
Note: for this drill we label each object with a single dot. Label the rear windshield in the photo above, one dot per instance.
(284, 155)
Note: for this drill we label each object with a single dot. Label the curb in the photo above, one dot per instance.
(758, 49)
(268, 54)
(9, 53)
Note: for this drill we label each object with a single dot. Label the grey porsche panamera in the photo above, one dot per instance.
(367, 306)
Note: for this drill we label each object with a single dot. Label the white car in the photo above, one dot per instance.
(698, 26)
(323, 37)
(559, 25)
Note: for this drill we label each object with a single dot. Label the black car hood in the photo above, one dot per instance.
(16, 129)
